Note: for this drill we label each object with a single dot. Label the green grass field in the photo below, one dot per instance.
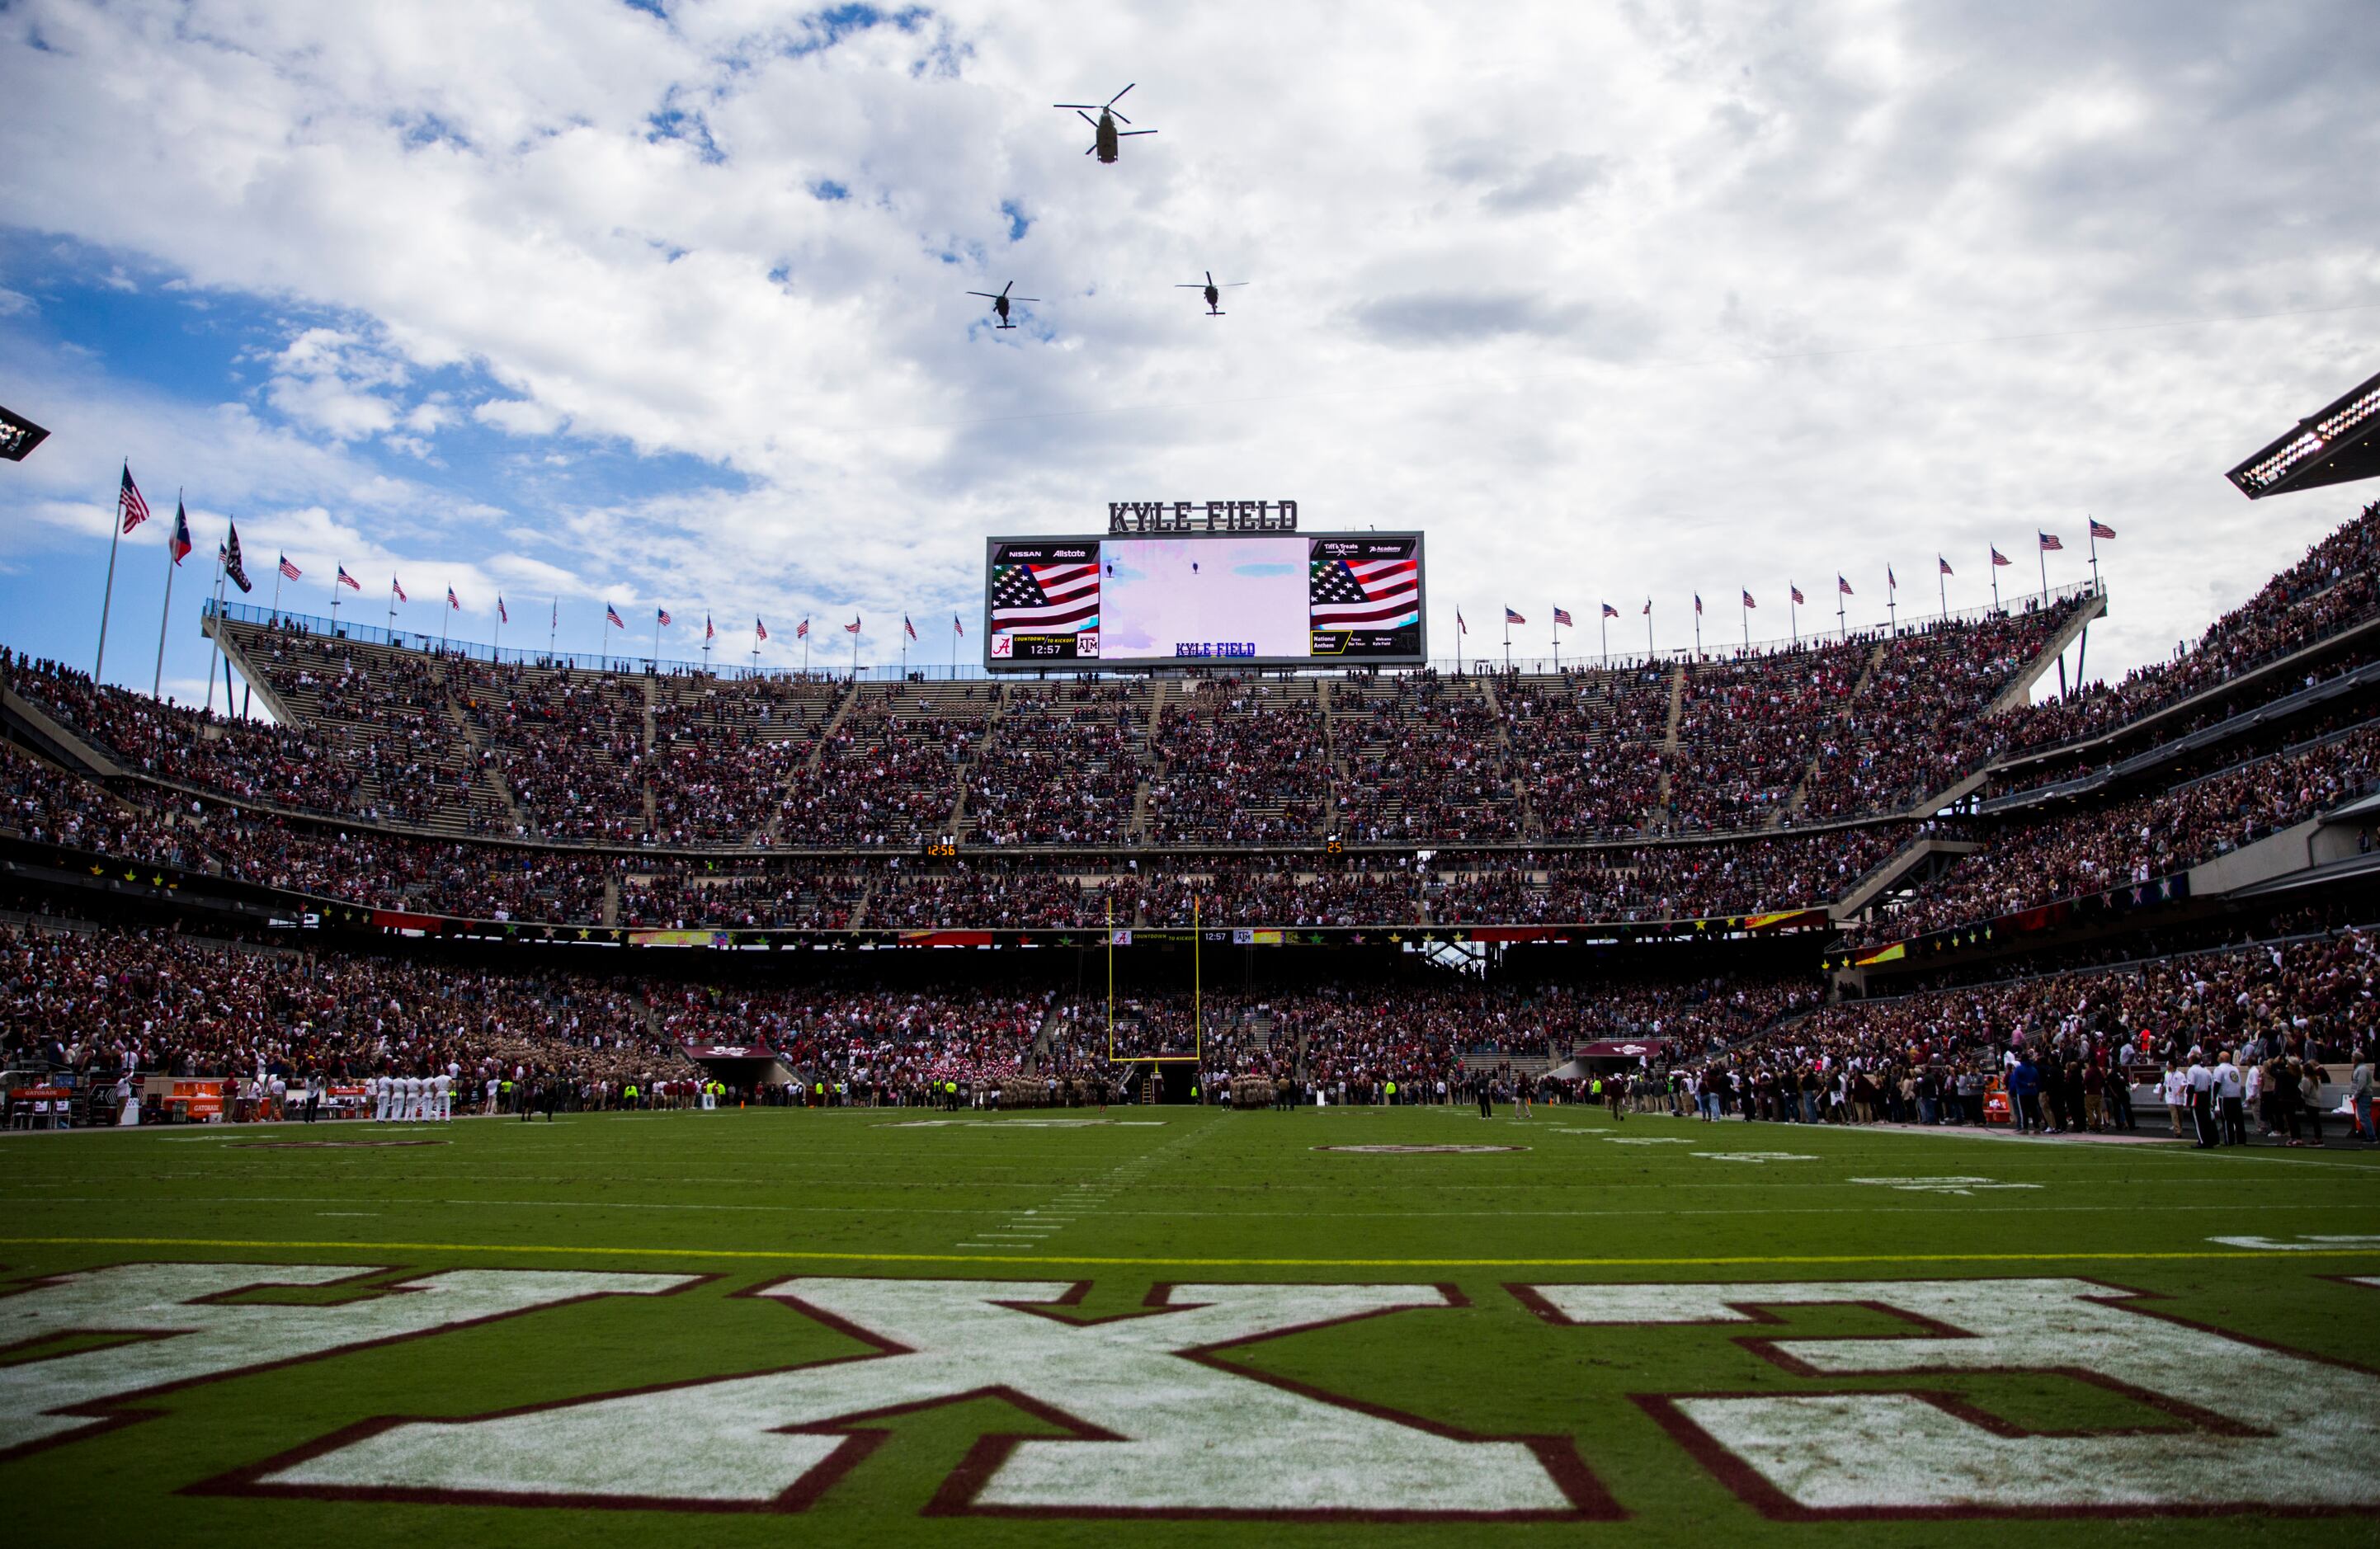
(1486, 1402)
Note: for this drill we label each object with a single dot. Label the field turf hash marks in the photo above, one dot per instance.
(183, 1329)
(1157, 1424)
(2261, 1428)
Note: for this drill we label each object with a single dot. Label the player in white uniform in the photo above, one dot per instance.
(379, 1086)
(441, 1105)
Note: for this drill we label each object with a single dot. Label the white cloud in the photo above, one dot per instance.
(1654, 299)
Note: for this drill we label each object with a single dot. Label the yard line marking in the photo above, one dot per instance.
(806, 1255)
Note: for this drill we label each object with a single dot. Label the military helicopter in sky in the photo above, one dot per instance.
(999, 302)
(1105, 133)
(1214, 292)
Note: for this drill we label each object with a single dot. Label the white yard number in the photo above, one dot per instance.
(2254, 1426)
(1155, 1428)
(183, 1332)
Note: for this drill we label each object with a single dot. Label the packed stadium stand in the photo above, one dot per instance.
(1752, 865)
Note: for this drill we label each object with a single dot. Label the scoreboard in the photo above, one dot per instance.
(1253, 599)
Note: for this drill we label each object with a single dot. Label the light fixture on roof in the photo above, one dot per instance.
(2334, 446)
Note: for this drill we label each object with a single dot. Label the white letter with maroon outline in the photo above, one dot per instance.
(1157, 1427)
(2259, 1428)
(181, 1330)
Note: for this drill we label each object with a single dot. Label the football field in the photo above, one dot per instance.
(1397, 1325)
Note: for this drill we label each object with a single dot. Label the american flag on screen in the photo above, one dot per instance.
(1046, 599)
(1365, 594)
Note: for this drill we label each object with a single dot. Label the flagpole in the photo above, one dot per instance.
(1943, 587)
(656, 661)
(442, 613)
(1793, 612)
(1508, 640)
(1699, 629)
(336, 570)
(854, 653)
(277, 590)
(1996, 583)
(496, 650)
(1605, 621)
(1557, 642)
(1843, 618)
(1649, 630)
(806, 649)
(1892, 604)
(157, 683)
(1744, 611)
(2041, 557)
(392, 610)
(107, 597)
(904, 647)
(215, 654)
(553, 623)
(2091, 523)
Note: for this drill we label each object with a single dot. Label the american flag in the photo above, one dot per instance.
(1511, 617)
(2049, 542)
(1561, 615)
(910, 628)
(957, 628)
(612, 616)
(2101, 530)
(453, 601)
(1797, 594)
(348, 581)
(760, 631)
(1748, 602)
(1364, 593)
(398, 587)
(1891, 582)
(852, 627)
(1945, 565)
(1046, 599)
(1459, 627)
(801, 631)
(291, 571)
(661, 616)
(1843, 587)
(1648, 606)
(1699, 604)
(1609, 611)
(129, 503)
(501, 617)
(1998, 557)
(708, 632)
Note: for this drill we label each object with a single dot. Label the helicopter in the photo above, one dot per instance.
(1104, 140)
(1214, 292)
(999, 302)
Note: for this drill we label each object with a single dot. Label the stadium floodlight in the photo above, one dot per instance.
(2331, 447)
(19, 435)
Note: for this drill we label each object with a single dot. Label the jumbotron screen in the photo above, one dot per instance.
(1257, 600)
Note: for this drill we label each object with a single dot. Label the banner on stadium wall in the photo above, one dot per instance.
(1243, 936)
(945, 938)
(408, 925)
(677, 938)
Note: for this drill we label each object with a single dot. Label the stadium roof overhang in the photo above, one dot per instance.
(2336, 446)
(19, 436)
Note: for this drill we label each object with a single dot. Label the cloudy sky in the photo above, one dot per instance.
(663, 304)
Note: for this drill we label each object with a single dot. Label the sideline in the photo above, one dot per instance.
(798, 1255)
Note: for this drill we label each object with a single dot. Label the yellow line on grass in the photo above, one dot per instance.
(805, 1255)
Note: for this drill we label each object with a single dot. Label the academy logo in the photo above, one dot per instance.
(1179, 1431)
(181, 1329)
(2243, 1426)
